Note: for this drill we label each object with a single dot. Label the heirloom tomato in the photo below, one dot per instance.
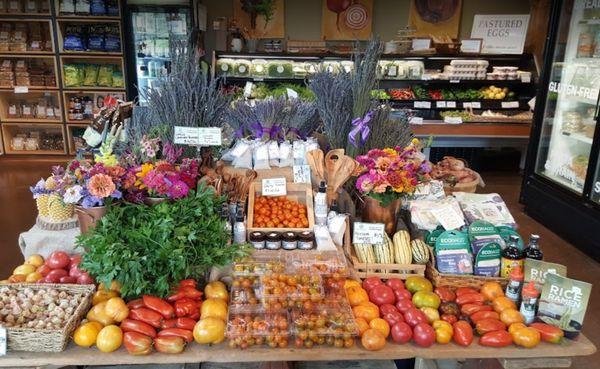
(380, 325)
(356, 295)
(510, 316)
(445, 294)
(424, 335)
(216, 290)
(215, 308)
(401, 332)
(496, 339)
(395, 284)
(109, 338)
(210, 331)
(491, 290)
(426, 299)
(369, 283)
(137, 344)
(443, 331)
(373, 340)
(382, 294)
(463, 333)
(502, 303)
(526, 337)
(548, 333)
(416, 283)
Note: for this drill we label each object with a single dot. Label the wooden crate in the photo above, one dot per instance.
(46, 29)
(300, 192)
(384, 271)
(31, 97)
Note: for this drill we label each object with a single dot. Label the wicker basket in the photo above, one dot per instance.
(457, 280)
(42, 340)
(470, 187)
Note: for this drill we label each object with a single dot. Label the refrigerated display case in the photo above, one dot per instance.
(151, 29)
(562, 185)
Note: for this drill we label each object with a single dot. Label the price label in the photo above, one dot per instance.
(526, 78)
(415, 120)
(258, 79)
(370, 233)
(421, 44)
(467, 105)
(510, 104)
(291, 93)
(274, 187)
(454, 81)
(2, 341)
(476, 105)
(248, 89)
(21, 89)
(453, 120)
(302, 174)
(422, 104)
(451, 104)
(209, 136)
(440, 104)
(186, 135)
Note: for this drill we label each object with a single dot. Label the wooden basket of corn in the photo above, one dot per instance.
(392, 259)
(46, 340)
(457, 280)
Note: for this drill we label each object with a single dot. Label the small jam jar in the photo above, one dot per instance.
(289, 241)
(257, 239)
(306, 240)
(273, 241)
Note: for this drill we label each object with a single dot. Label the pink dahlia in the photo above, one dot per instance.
(101, 185)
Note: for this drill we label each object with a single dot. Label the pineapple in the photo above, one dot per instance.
(58, 211)
(42, 204)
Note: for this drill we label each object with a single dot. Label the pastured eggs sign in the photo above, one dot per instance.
(501, 34)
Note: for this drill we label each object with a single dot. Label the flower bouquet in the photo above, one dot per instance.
(386, 176)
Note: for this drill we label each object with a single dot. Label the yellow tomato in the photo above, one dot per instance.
(98, 314)
(109, 338)
(380, 325)
(214, 308)
(209, 331)
(103, 295)
(24, 269)
(216, 290)
(526, 337)
(85, 335)
(33, 277)
(515, 327)
(97, 325)
(356, 295)
(117, 309)
(510, 316)
(351, 283)
(35, 260)
(443, 331)
(114, 286)
(431, 314)
(17, 278)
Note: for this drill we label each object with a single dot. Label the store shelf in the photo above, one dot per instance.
(117, 61)
(46, 29)
(85, 17)
(63, 23)
(563, 181)
(71, 135)
(484, 104)
(42, 4)
(10, 130)
(578, 137)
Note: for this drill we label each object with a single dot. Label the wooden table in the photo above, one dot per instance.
(75, 355)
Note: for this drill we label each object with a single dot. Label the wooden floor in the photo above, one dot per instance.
(18, 214)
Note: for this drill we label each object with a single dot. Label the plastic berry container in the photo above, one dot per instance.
(281, 290)
(258, 328)
(323, 325)
(318, 262)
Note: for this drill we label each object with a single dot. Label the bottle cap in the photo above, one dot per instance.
(239, 216)
(323, 186)
(513, 238)
(334, 206)
(530, 291)
(516, 274)
(534, 238)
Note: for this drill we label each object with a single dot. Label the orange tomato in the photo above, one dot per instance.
(491, 290)
(366, 312)
(380, 325)
(526, 337)
(373, 340)
(515, 327)
(356, 295)
(510, 316)
(502, 303)
(351, 282)
(362, 326)
(216, 308)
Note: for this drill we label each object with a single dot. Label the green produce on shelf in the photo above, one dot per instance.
(420, 92)
(467, 94)
(380, 94)
(464, 115)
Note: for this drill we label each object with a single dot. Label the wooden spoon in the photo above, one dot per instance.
(315, 161)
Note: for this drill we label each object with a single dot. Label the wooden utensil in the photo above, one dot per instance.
(339, 168)
(315, 159)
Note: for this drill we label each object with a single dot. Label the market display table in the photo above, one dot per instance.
(75, 355)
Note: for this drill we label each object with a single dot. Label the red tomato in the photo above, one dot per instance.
(130, 325)
(469, 309)
(43, 270)
(489, 325)
(449, 318)
(445, 294)
(186, 323)
(85, 278)
(169, 345)
(386, 308)
(463, 333)
(159, 305)
(402, 294)
(74, 260)
(480, 315)
(381, 295)
(465, 290)
(549, 333)
(135, 304)
(414, 316)
(401, 332)
(404, 305)
(393, 317)
(496, 339)
(56, 274)
(147, 316)
(74, 271)
(177, 332)
(58, 260)
(395, 284)
(68, 280)
(137, 343)
(371, 282)
(424, 335)
(470, 298)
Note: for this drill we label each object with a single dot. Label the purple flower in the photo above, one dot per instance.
(178, 190)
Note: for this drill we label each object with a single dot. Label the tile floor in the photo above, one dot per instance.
(18, 214)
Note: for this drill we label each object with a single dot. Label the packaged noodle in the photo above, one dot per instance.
(73, 75)
(117, 79)
(90, 75)
(105, 75)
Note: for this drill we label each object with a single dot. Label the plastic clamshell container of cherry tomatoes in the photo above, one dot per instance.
(323, 263)
(258, 328)
(324, 325)
(244, 298)
(252, 268)
(245, 281)
(281, 290)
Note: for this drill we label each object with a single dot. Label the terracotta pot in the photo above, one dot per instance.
(89, 217)
(154, 200)
(373, 212)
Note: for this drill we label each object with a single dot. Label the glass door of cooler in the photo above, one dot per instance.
(153, 28)
(571, 106)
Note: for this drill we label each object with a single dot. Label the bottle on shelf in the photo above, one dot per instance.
(239, 228)
(333, 210)
(321, 204)
(532, 251)
(529, 298)
(511, 257)
(515, 283)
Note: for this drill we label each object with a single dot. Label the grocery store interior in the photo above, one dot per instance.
(540, 153)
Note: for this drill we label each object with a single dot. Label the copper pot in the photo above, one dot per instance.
(373, 212)
(88, 217)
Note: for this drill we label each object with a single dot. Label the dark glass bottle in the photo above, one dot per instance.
(512, 257)
(533, 249)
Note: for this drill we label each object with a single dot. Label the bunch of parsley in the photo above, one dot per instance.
(148, 249)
